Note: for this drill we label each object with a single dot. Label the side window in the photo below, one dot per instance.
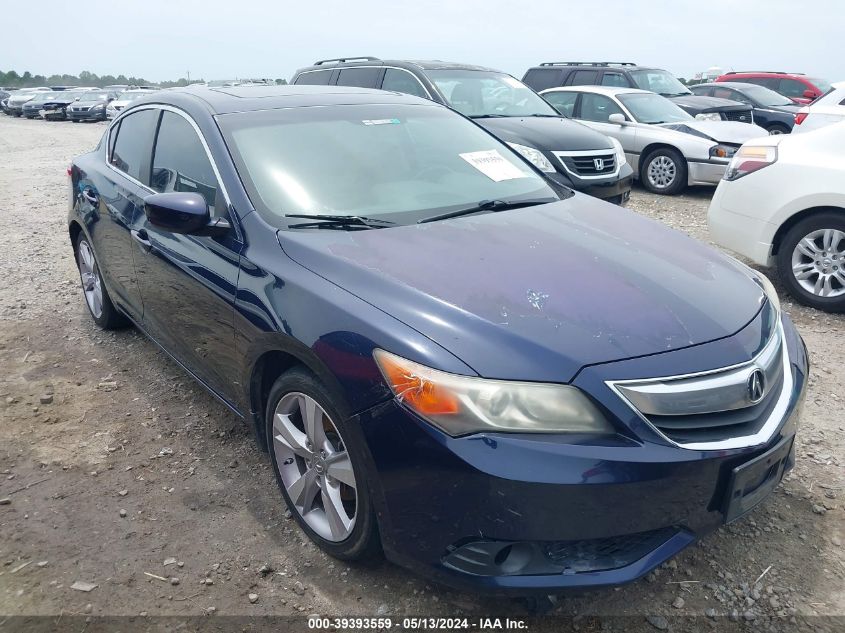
(113, 138)
(131, 151)
(542, 78)
(703, 91)
(597, 107)
(402, 81)
(314, 78)
(583, 78)
(180, 162)
(791, 88)
(772, 83)
(360, 77)
(614, 79)
(563, 102)
(726, 93)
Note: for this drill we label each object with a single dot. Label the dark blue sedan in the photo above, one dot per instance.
(771, 110)
(504, 385)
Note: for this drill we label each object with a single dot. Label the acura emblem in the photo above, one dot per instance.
(756, 386)
(599, 163)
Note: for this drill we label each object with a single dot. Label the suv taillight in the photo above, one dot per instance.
(800, 116)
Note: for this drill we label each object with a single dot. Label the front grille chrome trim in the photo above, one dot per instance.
(590, 153)
(766, 431)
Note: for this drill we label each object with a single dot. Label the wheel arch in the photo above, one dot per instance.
(795, 218)
(648, 149)
(74, 231)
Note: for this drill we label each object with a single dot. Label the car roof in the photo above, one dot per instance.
(418, 64)
(611, 91)
(726, 84)
(763, 73)
(224, 100)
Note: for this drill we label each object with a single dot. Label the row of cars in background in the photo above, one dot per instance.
(70, 103)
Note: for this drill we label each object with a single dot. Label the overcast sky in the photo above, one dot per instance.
(162, 39)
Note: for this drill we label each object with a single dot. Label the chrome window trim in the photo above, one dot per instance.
(760, 437)
(161, 106)
(590, 152)
(333, 68)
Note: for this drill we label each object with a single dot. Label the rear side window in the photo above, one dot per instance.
(614, 79)
(180, 162)
(563, 102)
(542, 78)
(402, 81)
(583, 78)
(314, 78)
(360, 77)
(791, 88)
(131, 152)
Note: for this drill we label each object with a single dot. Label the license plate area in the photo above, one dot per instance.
(753, 481)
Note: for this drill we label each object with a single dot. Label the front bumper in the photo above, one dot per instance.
(88, 115)
(436, 494)
(705, 173)
(616, 189)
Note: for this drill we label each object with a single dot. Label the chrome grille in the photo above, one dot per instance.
(743, 116)
(717, 409)
(589, 164)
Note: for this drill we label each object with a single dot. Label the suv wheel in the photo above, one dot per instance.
(777, 128)
(318, 463)
(664, 171)
(811, 261)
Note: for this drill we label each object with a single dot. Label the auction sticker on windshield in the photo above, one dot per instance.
(493, 165)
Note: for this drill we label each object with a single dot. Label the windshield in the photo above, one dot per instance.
(660, 81)
(822, 84)
(766, 97)
(94, 95)
(652, 108)
(484, 93)
(399, 163)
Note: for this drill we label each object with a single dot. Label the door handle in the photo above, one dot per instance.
(142, 238)
(90, 196)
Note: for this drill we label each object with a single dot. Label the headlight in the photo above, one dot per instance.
(99, 106)
(750, 158)
(763, 282)
(709, 116)
(722, 151)
(620, 153)
(535, 157)
(462, 404)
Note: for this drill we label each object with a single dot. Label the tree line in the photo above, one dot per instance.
(12, 79)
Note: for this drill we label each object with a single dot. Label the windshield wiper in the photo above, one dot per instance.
(337, 222)
(488, 205)
(489, 116)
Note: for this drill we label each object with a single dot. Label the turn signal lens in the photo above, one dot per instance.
(459, 405)
(800, 116)
(750, 158)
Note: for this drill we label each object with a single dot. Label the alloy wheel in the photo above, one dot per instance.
(91, 282)
(661, 172)
(818, 262)
(315, 466)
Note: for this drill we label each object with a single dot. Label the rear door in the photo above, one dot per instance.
(188, 282)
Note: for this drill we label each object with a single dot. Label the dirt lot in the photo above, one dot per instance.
(114, 461)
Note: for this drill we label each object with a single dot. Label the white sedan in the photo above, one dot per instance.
(827, 109)
(667, 148)
(124, 99)
(782, 203)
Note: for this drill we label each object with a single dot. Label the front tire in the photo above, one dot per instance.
(811, 261)
(664, 171)
(319, 464)
(97, 298)
(777, 128)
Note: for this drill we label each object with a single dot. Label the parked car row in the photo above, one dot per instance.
(70, 102)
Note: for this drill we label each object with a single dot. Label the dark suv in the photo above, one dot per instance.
(630, 75)
(569, 153)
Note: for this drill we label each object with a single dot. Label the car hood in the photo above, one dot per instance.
(732, 132)
(790, 109)
(545, 133)
(20, 99)
(89, 104)
(537, 293)
(702, 104)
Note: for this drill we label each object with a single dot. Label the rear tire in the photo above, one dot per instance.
(664, 171)
(321, 463)
(94, 291)
(811, 261)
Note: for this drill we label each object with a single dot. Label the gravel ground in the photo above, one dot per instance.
(119, 471)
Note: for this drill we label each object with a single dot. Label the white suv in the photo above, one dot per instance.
(827, 109)
(782, 203)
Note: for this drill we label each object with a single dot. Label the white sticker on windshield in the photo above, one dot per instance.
(381, 121)
(493, 165)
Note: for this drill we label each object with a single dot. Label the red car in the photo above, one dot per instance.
(800, 88)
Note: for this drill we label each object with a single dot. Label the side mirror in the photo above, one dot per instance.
(809, 94)
(182, 212)
(617, 118)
